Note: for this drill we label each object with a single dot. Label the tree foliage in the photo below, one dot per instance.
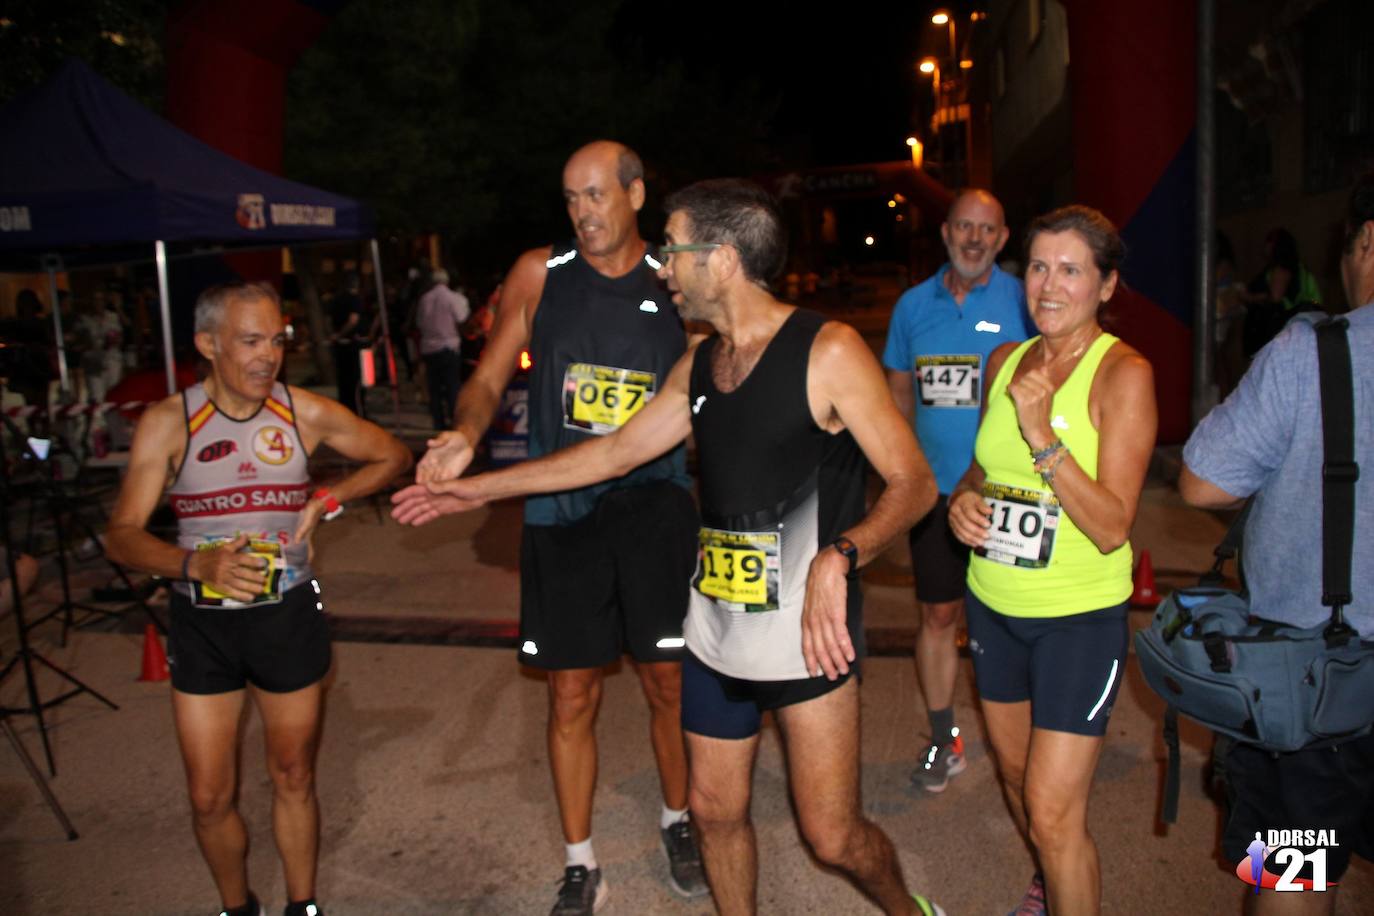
(456, 115)
(121, 39)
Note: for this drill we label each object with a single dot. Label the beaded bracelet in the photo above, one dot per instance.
(1047, 451)
(1047, 472)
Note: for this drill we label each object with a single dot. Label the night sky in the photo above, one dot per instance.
(844, 76)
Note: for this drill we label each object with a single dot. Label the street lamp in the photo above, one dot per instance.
(940, 17)
(917, 157)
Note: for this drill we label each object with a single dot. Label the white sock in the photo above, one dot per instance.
(581, 854)
(669, 817)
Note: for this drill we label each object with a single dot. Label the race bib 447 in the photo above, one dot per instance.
(950, 380)
(601, 399)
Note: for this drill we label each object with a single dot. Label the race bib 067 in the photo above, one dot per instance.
(601, 399)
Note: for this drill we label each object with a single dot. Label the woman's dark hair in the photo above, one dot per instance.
(1095, 229)
(1285, 250)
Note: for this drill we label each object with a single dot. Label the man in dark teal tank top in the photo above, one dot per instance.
(603, 569)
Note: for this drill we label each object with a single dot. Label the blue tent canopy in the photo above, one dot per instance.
(90, 175)
(84, 167)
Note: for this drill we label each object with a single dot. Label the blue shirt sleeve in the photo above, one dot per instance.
(1243, 441)
(896, 354)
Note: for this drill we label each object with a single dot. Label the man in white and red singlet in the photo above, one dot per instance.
(246, 612)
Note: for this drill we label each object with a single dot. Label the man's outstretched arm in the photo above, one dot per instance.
(661, 424)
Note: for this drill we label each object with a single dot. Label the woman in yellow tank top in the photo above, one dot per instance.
(1068, 426)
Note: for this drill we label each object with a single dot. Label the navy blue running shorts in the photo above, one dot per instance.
(718, 706)
(1070, 668)
(275, 647)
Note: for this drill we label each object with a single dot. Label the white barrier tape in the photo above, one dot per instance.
(75, 410)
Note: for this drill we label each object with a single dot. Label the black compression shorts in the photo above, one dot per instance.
(938, 560)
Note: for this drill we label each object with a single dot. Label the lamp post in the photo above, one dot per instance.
(917, 157)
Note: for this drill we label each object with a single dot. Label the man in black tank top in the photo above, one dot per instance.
(785, 406)
(601, 566)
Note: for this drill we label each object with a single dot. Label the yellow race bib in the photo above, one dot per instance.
(740, 567)
(601, 399)
(204, 595)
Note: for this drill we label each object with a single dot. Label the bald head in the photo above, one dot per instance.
(603, 187)
(974, 232)
(622, 160)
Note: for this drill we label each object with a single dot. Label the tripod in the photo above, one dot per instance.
(26, 656)
(59, 508)
(37, 776)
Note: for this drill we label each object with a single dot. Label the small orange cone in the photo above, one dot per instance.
(154, 659)
(1145, 594)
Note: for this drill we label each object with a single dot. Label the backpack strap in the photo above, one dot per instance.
(1339, 471)
(1169, 809)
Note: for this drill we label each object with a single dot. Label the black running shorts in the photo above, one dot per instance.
(277, 647)
(939, 561)
(612, 583)
(1329, 788)
(1070, 668)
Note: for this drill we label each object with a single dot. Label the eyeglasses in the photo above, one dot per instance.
(691, 246)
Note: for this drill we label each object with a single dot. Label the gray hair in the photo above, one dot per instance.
(439, 277)
(738, 213)
(628, 167)
(210, 305)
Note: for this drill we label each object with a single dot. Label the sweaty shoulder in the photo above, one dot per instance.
(837, 352)
(524, 284)
(1124, 367)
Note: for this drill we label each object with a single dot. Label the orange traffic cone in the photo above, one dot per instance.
(154, 659)
(1145, 594)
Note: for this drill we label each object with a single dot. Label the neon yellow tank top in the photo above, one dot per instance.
(1037, 563)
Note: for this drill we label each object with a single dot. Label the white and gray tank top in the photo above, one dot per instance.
(243, 477)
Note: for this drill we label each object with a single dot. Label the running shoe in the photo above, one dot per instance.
(927, 907)
(581, 892)
(685, 872)
(251, 908)
(938, 764)
(304, 908)
(1033, 904)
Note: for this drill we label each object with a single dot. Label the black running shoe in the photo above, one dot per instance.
(251, 908)
(581, 892)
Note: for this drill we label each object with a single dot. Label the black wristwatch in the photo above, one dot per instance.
(847, 547)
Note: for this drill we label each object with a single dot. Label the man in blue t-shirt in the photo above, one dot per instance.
(937, 345)
(1265, 441)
